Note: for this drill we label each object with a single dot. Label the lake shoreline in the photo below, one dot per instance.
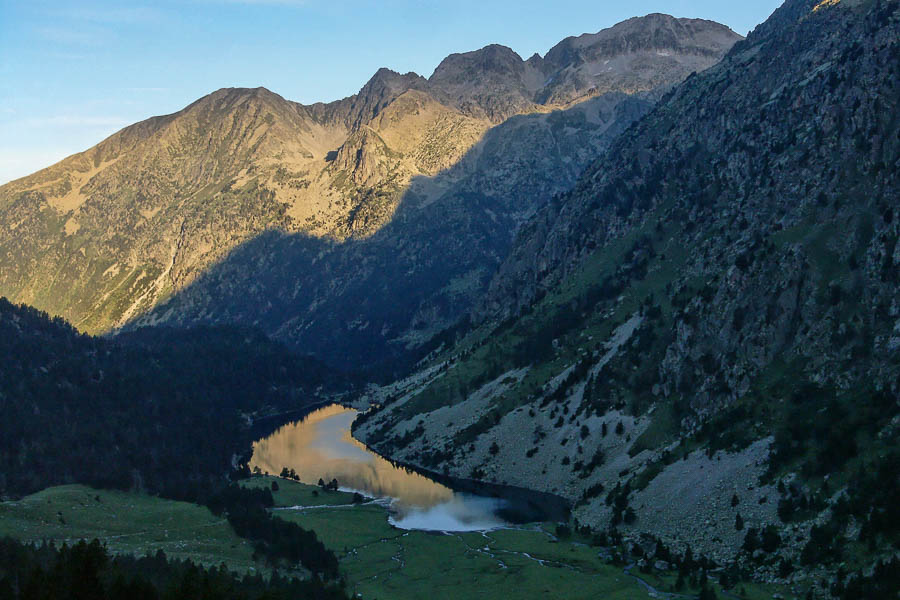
(514, 505)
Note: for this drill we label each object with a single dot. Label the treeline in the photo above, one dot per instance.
(279, 541)
(694, 573)
(86, 571)
(159, 411)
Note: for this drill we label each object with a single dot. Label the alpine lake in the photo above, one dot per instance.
(406, 533)
(319, 448)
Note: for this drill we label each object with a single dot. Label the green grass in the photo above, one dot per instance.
(343, 529)
(542, 546)
(381, 561)
(665, 582)
(663, 428)
(292, 493)
(377, 559)
(127, 523)
(494, 565)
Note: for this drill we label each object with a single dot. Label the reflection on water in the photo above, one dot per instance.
(321, 447)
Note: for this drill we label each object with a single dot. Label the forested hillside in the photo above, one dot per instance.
(154, 411)
(87, 570)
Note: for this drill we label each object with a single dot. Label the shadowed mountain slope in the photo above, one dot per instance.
(711, 315)
(363, 301)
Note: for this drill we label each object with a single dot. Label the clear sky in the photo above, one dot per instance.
(73, 72)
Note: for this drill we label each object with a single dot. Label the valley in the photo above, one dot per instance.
(616, 321)
(378, 559)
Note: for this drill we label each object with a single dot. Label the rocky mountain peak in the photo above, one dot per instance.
(652, 32)
(231, 97)
(490, 60)
(391, 81)
(638, 55)
(493, 82)
(385, 86)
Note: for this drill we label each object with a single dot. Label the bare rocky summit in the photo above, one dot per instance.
(642, 54)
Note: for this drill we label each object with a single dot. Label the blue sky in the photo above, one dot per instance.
(73, 72)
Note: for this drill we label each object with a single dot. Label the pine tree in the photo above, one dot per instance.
(707, 593)
(6, 590)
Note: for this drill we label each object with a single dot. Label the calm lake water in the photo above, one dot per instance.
(320, 447)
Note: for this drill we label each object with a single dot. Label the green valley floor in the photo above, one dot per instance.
(378, 560)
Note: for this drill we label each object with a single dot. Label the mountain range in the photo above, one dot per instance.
(351, 229)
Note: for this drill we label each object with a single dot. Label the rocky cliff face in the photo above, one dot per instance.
(752, 157)
(412, 187)
(711, 314)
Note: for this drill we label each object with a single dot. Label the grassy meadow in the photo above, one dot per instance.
(378, 560)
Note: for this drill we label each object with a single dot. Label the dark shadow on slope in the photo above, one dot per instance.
(369, 304)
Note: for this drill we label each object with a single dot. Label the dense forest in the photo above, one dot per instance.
(165, 411)
(86, 571)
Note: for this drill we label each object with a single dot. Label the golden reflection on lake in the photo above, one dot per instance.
(321, 447)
